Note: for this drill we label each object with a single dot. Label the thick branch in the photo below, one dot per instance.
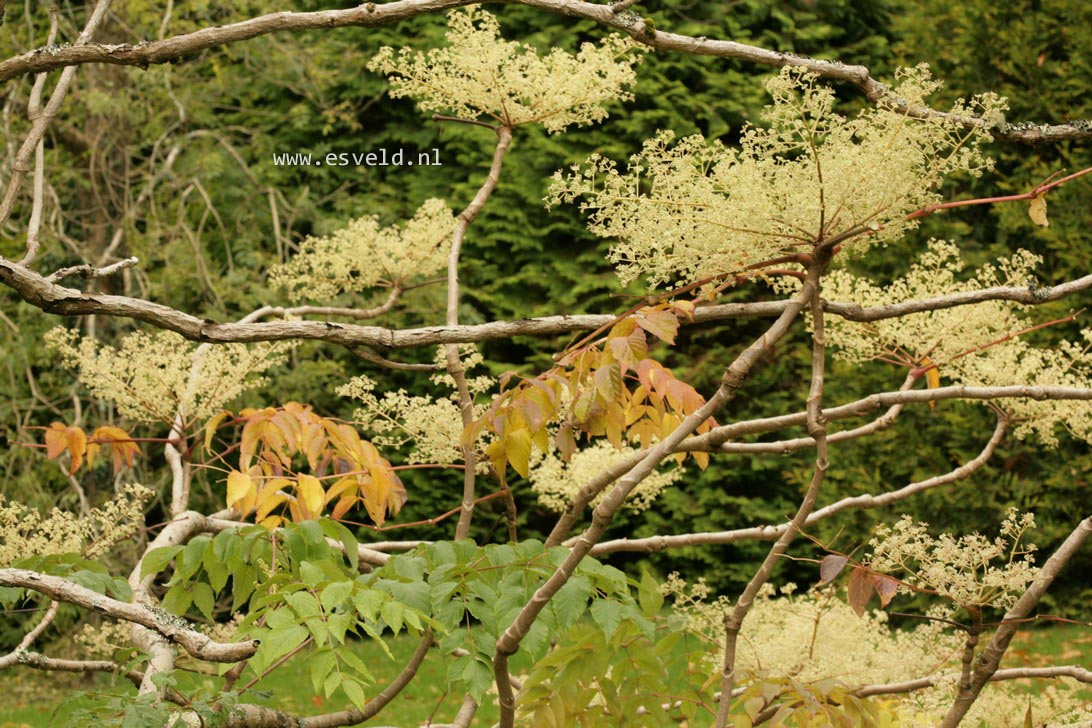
(53, 298)
(1016, 673)
(173, 629)
(371, 14)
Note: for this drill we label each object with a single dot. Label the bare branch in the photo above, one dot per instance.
(454, 362)
(380, 701)
(88, 271)
(770, 533)
(1016, 673)
(173, 629)
(372, 14)
(20, 166)
(52, 298)
(20, 650)
(817, 428)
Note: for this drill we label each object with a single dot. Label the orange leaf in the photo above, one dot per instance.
(77, 447)
(932, 377)
(122, 448)
(56, 440)
(658, 322)
(343, 507)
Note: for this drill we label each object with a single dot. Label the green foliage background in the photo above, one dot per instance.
(209, 232)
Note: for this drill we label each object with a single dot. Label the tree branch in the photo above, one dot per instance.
(817, 428)
(454, 362)
(1016, 673)
(53, 298)
(18, 654)
(372, 14)
(172, 628)
(770, 533)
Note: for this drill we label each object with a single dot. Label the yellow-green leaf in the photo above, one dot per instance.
(517, 446)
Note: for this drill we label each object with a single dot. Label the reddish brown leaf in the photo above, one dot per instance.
(122, 448)
(886, 587)
(830, 567)
(860, 589)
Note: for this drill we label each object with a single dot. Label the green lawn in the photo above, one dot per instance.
(29, 696)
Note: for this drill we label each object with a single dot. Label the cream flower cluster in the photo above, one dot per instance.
(481, 74)
(431, 426)
(151, 376)
(972, 571)
(689, 209)
(556, 482)
(971, 344)
(815, 636)
(363, 255)
(25, 531)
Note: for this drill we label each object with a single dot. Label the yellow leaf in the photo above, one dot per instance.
(239, 487)
(271, 522)
(1037, 210)
(211, 425)
(341, 487)
(701, 458)
(312, 494)
(266, 504)
(375, 495)
(517, 446)
(932, 377)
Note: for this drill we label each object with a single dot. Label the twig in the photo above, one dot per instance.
(454, 361)
(88, 271)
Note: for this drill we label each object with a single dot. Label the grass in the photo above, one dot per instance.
(30, 697)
